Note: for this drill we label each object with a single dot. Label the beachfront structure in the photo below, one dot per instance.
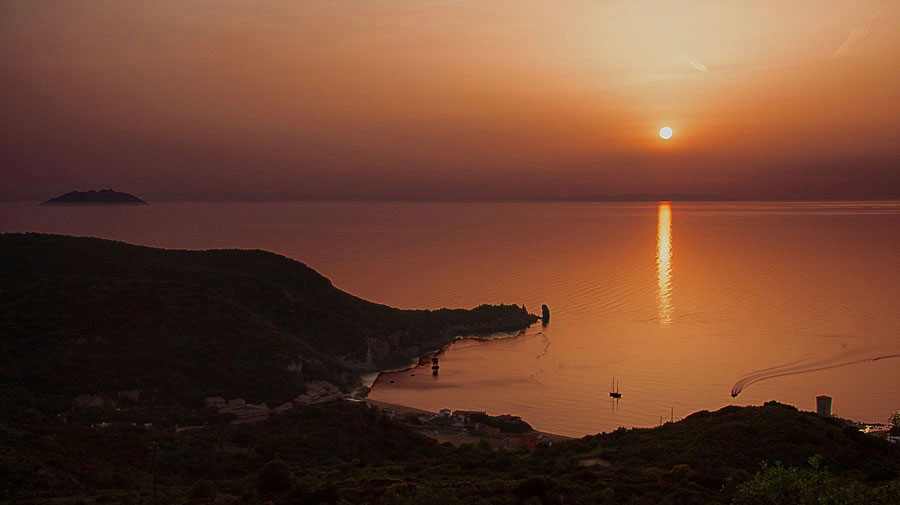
(823, 406)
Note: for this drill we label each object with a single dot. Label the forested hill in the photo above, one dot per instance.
(85, 315)
(346, 453)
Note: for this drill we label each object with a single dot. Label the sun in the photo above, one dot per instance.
(665, 132)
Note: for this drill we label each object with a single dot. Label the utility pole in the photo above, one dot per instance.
(673, 414)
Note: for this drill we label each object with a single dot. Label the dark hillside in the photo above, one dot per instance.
(742, 438)
(86, 315)
(346, 452)
(59, 460)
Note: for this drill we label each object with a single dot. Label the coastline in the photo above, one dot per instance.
(443, 436)
(400, 409)
(365, 377)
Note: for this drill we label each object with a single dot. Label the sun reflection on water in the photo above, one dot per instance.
(664, 263)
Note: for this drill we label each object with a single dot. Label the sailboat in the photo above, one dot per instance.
(614, 389)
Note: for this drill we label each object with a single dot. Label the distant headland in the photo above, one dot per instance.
(102, 197)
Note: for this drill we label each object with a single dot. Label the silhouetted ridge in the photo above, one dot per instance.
(104, 196)
(85, 315)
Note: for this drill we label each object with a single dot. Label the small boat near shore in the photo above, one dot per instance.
(614, 390)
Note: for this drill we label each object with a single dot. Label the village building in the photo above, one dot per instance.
(215, 402)
(246, 412)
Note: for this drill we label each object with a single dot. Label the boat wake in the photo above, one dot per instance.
(807, 365)
(546, 346)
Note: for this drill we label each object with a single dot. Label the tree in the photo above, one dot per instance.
(780, 485)
(894, 420)
(274, 477)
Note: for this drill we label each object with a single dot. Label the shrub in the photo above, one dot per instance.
(534, 487)
(274, 477)
(779, 485)
(203, 489)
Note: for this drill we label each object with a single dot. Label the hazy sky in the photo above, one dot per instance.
(265, 99)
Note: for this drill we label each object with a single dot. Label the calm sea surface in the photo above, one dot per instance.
(683, 304)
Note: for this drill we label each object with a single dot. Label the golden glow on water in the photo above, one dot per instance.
(664, 263)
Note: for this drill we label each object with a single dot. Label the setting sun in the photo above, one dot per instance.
(665, 132)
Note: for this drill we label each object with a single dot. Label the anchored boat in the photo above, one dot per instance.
(614, 389)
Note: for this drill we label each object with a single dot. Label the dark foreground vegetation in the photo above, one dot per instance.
(347, 452)
(108, 350)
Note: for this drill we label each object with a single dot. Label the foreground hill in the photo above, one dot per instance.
(87, 316)
(348, 453)
(104, 196)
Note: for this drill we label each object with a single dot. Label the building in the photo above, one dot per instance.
(246, 412)
(215, 402)
(463, 418)
(242, 411)
(823, 406)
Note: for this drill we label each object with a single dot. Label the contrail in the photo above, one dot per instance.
(862, 31)
(696, 64)
(794, 368)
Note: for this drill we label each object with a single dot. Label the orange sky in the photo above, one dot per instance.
(263, 99)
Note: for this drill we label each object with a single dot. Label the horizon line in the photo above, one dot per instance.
(601, 198)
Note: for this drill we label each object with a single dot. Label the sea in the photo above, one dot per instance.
(681, 306)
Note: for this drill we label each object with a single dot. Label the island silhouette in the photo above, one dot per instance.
(92, 197)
